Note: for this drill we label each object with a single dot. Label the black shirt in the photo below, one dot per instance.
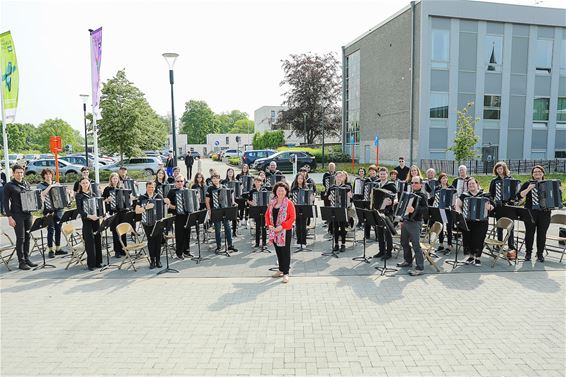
(421, 207)
(202, 192)
(80, 198)
(274, 214)
(529, 197)
(189, 160)
(402, 172)
(13, 198)
(143, 199)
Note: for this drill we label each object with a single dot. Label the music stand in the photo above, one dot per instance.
(106, 223)
(159, 227)
(258, 213)
(333, 215)
(365, 216)
(195, 219)
(381, 221)
(39, 224)
(304, 211)
(222, 214)
(363, 204)
(460, 223)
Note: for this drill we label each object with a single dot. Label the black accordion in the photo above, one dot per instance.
(120, 199)
(506, 190)
(31, 200)
(94, 207)
(247, 183)
(474, 208)
(236, 187)
(547, 195)
(56, 199)
(302, 197)
(338, 197)
(261, 198)
(129, 184)
(165, 188)
(378, 196)
(152, 215)
(407, 200)
(274, 178)
(368, 189)
(461, 186)
(359, 187)
(445, 198)
(400, 186)
(186, 201)
(222, 198)
(329, 181)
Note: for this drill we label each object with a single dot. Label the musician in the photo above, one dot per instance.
(113, 184)
(301, 226)
(147, 201)
(189, 161)
(182, 234)
(218, 224)
(372, 177)
(84, 174)
(362, 173)
(272, 170)
(258, 187)
(473, 240)
(310, 182)
(211, 172)
(383, 235)
(91, 224)
(231, 177)
(279, 219)
(242, 203)
(2, 184)
(460, 182)
(430, 184)
(411, 229)
(541, 217)
(330, 173)
(443, 184)
(414, 171)
(160, 180)
(123, 173)
(402, 170)
(245, 171)
(198, 184)
(18, 219)
(338, 229)
(393, 174)
(501, 172)
(264, 179)
(372, 174)
(54, 228)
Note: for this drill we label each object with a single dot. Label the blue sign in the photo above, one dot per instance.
(217, 143)
(352, 140)
(376, 141)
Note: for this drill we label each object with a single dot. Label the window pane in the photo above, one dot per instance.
(543, 56)
(540, 108)
(491, 114)
(493, 52)
(439, 105)
(440, 48)
(563, 57)
(561, 110)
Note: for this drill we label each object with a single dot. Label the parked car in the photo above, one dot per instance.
(249, 157)
(30, 157)
(76, 160)
(15, 159)
(149, 165)
(285, 161)
(231, 153)
(36, 166)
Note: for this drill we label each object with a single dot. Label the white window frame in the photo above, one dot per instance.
(544, 71)
(448, 102)
(498, 66)
(491, 107)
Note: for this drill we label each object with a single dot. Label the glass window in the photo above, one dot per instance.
(492, 107)
(227, 139)
(438, 105)
(540, 109)
(493, 52)
(440, 48)
(561, 110)
(559, 154)
(563, 58)
(543, 56)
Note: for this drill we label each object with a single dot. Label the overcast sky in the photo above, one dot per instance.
(230, 51)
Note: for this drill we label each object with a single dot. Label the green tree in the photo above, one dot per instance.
(243, 126)
(58, 127)
(197, 121)
(268, 139)
(227, 121)
(128, 123)
(466, 138)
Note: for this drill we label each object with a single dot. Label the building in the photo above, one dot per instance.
(219, 142)
(265, 117)
(405, 79)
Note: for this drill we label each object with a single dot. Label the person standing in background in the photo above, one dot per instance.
(402, 170)
(189, 161)
(170, 164)
(2, 183)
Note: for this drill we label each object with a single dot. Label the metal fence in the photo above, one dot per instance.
(450, 167)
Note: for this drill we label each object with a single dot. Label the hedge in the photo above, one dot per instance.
(332, 153)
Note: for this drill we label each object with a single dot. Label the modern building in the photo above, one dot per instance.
(219, 142)
(405, 79)
(265, 117)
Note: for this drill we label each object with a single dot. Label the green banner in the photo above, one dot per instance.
(9, 71)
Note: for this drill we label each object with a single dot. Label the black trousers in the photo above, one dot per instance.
(511, 240)
(339, 231)
(260, 229)
(23, 226)
(242, 209)
(182, 235)
(189, 171)
(284, 254)
(385, 240)
(120, 218)
(93, 243)
(448, 230)
(540, 226)
(301, 229)
(473, 240)
(153, 244)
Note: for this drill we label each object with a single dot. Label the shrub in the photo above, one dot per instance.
(234, 161)
(215, 157)
(331, 153)
(268, 139)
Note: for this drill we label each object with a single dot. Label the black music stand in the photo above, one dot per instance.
(363, 204)
(222, 214)
(333, 215)
(106, 223)
(158, 230)
(365, 216)
(460, 224)
(39, 224)
(381, 221)
(304, 211)
(258, 213)
(195, 219)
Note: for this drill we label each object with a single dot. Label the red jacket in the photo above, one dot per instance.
(289, 220)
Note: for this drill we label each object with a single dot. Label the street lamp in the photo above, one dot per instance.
(170, 58)
(305, 126)
(84, 97)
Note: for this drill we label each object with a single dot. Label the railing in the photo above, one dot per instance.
(450, 167)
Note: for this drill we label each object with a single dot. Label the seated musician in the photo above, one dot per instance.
(339, 227)
(198, 184)
(459, 182)
(218, 224)
(384, 235)
(182, 234)
(54, 228)
(258, 186)
(473, 240)
(230, 177)
(91, 224)
(146, 202)
(443, 184)
(242, 203)
(501, 172)
(301, 222)
(113, 184)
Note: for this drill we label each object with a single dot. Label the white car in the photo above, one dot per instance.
(232, 153)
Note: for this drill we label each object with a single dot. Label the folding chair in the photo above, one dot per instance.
(7, 247)
(494, 246)
(559, 219)
(137, 247)
(428, 247)
(77, 247)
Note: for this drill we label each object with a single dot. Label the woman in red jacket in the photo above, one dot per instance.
(279, 219)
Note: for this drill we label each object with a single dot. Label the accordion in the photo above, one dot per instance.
(444, 198)
(338, 197)
(547, 195)
(56, 199)
(94, 207)
(359, 185)
(186, 201)
(329, 181)
(407, 200)
(461, 186)
(95, 189)
(400, 186)
(152, 215)
(129, 184)
(247, 183)
(236, 187)
(274, 178)
(368, 189)
(31, 200)
(261, 198)
(165, 188)
(432, 185)
(474, 208)
(506, 190)
(378, 197)
(302, 197)
(120, 199)
(222, 198)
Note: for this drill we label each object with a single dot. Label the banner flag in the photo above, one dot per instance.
(9, 71)
(96, 54)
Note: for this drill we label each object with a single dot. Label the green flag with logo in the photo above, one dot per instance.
(9, 71)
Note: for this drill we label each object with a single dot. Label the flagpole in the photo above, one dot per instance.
(94, 116)
(4, 135)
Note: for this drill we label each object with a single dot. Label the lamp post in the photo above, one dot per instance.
(305, 126)
(84, 97)
(170, 58)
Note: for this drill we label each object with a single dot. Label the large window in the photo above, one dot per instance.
(439, 105)
(352, 103)
(540, 109)
(493, 52)
(440, 49)
(561, 110)
(563, 58)
(543, 56)
(491, 107)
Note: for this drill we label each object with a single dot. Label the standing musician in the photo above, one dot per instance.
(414, 171)
(189, 161)
(372, 177)
(147, 201)
(411, 229)
(218, 224)
(182, 234)
(114, 183)
(18, 219)
(429, 185)
(393, 174)
(310, 182)
(462, 178)
(242, 203)
(501, 172)
(383, 235)
(301, 225)
(91, 224)
(402, 170)
(160, 180)
(540, 216)
(473, 240)
(211, 172)
(272, 170)
(54, 228)
(443, 184)
(258, 186)
(231, 177)
(198, 184)
(84, 174)
(330, 173)
(279, 219)
(339, 227)
(264, 179)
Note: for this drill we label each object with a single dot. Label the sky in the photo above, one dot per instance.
(230, 51)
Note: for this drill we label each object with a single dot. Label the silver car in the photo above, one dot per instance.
(36, 166)
(149, 165)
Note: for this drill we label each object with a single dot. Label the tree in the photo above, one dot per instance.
(227, 121)
(128, 123)
(466, 138)
(313, 91)
(197, 121)
(243, 126)
(268, 139)
(58, 127)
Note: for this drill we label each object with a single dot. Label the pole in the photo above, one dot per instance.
(323, 144)
(5, 137)
(86, 137)
(377, 155)
(352, 158)
(174, 134)
(94, 128)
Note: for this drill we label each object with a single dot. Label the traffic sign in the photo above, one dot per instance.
(376, 141)
(352, 139)
(217, 143)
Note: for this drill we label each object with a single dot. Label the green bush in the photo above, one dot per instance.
(215, 157)
(234, 161)
(332, 153)
(268, 139)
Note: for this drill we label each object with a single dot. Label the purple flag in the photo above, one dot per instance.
(96, 55)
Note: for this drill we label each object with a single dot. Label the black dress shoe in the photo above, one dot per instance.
(30, 263)
(379, 255)
(180, 256)
(387, 256)
(61, 252)
(51, 254)
(152, 265)
(23, 266)
(528, 258)
(99, 265)
(158, 264)
(91, 268)
(540, 258)
(233, 249)
(335, 248)
(342, 248)
(404, 264)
